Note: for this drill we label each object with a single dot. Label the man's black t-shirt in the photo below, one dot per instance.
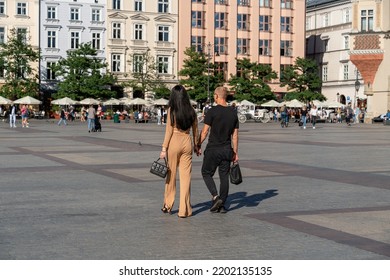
(222, 121)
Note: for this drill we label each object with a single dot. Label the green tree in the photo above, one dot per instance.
(83, 75)
(302, 80)
(199, 75)
(162, 92)
(251, 81)
(17, 57)
(144, 76)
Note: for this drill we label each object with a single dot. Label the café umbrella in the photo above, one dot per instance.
(138, 101)
(64, 101)
(271, 103)
(28, 100)
(4, 101)
(89, 101)
(161, 102)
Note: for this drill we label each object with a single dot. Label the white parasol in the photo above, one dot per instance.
(294, 103)
(64, 101)
(161, 102)
(5, 101)
(89, 101)
(271, 103)
(27, 100)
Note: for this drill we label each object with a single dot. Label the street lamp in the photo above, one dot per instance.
(357, 87)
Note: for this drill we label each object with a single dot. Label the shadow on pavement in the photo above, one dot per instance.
(237, 200)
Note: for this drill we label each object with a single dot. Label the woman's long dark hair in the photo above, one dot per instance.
(182, 113)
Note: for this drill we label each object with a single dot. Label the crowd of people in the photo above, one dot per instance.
(13, 111)
(311, 113)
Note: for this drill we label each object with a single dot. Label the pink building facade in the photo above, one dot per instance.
(264, 31)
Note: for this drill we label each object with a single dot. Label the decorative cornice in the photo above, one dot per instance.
(117, 15)
(360, 52)
(165, 19)
(139, 17)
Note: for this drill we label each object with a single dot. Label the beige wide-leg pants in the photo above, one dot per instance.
(179, 158)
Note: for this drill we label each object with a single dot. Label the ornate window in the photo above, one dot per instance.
(163, 6)
(163, 33)
(51, 12)
(163, 64)
(74, 39)
(367, 20)
(138, 31)
(51, 39)
(96, 40)
(116, 63)
(116, 30)
(21, 9)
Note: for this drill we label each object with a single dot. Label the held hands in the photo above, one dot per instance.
(198, 150)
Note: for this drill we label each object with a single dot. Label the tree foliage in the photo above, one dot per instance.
(199, 75)
(144, 76)
(83, 75)
(302, 80)
(17, 58)
(252, 80)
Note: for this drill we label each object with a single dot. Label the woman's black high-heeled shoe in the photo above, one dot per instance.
(166, 210)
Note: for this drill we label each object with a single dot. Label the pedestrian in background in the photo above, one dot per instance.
(313, 115)
(304, 116)
(24, 113)
(12, 116)
(91, 118)
(349, 114)
(62, 117)
(222, 148)
(177, 149)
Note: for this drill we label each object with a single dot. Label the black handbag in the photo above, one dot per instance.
(235, 174)
(159, 169)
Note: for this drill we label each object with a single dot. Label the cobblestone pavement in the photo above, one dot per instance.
(307, 194)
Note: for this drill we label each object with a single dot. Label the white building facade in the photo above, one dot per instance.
(136, 27)
(328, 28)
(64, 25)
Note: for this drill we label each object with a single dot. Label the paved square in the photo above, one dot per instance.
(307, 194)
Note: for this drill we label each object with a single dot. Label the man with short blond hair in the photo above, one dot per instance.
(222, 147)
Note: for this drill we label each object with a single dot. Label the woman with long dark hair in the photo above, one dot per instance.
(177, 149)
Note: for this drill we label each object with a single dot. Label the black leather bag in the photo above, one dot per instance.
(235, 174)
(159, 169)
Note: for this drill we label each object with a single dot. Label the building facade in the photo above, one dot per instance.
(370, 47)
(64, 25)
(20, 15)
(137, 28)
(328, 28)
(264, 31)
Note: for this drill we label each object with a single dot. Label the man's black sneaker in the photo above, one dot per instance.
(222, 210)
(216, 203)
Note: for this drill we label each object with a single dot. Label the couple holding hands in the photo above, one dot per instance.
(221, 125)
